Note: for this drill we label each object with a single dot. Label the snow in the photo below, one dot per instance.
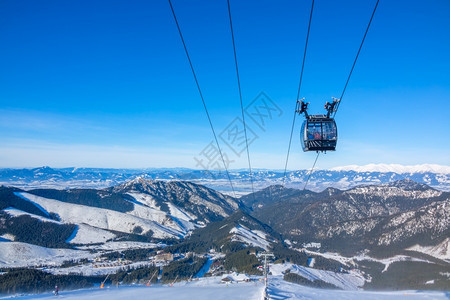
(312, 245)
(349, 261)
(396, 168)
(118, 246)
(16, 254)
(236, 277)
(86, 234)
(99, 217)
(435, 175)
(255, 238)
(144, 199)
(202, 289)
(280, 289)
(14, 212)
(347, 281)
(178, 219)
(98, 268)
(441, 251)
(7, 237)
(83, 234)
(211, 288)
(179, 213)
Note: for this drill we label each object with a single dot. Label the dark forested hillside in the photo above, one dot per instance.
(9, 199)
(33, 231)
(89, 197)
(399, 214)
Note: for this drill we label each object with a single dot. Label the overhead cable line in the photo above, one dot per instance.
(311, 171)
(346, 83)
(240, 97)
(201, 96)
(356, 58)
(298, 91)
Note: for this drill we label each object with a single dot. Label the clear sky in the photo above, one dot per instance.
(107, 83)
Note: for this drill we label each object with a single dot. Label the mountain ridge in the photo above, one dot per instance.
(342, 177)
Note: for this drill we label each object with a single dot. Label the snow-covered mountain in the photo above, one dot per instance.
(340, 177)
(185, 201)
(396, 168)
(405, 222)
(152, 210)
(390, 216)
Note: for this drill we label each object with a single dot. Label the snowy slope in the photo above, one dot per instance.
(210, 288)
(118, 246)
(254, 238)
(350, 261)
(99, 217)
(178, 219)
(14, 212)
(83, 234)
(280, 289)
(203, 289)
(441, 251)
(351, 281)
(86, 234)
(16, 254)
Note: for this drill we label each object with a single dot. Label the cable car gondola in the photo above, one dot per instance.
(319, 132)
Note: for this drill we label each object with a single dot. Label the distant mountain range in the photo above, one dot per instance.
(346, 177)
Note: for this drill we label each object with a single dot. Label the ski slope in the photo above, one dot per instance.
(278, 289)
(205, 288)
(211, 288)
(100, 217)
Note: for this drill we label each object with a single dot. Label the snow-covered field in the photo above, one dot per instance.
(205, 288)
(346, 281)
(211, 288)
(441, 251)
(279, 289)
(350, 261)
(16, 254)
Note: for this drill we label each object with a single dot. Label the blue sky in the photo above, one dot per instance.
(107, 83)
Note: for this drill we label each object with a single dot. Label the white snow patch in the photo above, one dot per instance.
(180, 213)
(86, 234)
(201, 289)
(353, 280)
(441, 251)
(118, 246)
(14, 212)
(255, 238)
(99, 217)
(350, 261)
(7, 237)
(145, 199)
(16, 254)
(280, 289)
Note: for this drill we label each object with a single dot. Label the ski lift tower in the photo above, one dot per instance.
(266, 267)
